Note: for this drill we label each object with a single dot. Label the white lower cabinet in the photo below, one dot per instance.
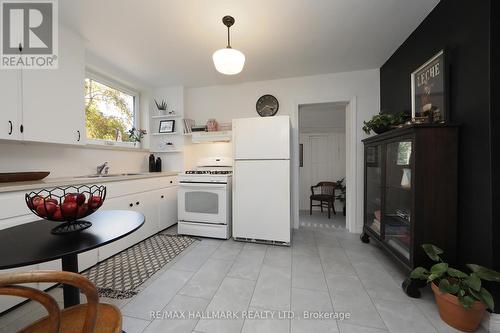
(160, 211)
(7, 302)
(159, 207)
(167, 209)
(54, 265)
(87, 259)
(128, 202)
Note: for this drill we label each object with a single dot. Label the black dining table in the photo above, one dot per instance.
(33, 243)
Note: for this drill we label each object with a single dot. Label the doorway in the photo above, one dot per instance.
(322, 150)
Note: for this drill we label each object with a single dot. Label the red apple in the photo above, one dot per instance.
(57, 214)
(70, 197)
(82, 210)
(69, 209)
(95, 202)
(54, 201)
(80, 199)
(47, 209)
(35, 201)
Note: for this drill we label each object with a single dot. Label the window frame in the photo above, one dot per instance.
(115, 84)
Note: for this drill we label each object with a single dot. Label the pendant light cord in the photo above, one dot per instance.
(228, 38)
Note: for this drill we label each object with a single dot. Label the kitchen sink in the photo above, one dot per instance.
(111, 175)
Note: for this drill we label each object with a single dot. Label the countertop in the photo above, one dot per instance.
(68, 181)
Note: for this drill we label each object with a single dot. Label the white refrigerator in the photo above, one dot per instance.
(261, 179)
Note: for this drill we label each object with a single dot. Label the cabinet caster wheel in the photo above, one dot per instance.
(365, 238)
(411, 287)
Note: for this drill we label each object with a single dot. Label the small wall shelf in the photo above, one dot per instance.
(166, 116)
(173, 133)
(166, 151)
(219, 136)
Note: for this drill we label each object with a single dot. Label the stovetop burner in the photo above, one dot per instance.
(208, 172)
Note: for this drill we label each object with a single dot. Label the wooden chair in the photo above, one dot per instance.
(92, 317)
(326, 196)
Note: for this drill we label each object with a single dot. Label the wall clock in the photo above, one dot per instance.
(267, 106)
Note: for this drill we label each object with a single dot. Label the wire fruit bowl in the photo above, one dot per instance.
(68, 205)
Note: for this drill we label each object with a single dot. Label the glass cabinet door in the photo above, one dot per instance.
(373, 160)
(398, 196)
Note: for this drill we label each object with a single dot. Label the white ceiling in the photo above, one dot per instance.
(168, 42)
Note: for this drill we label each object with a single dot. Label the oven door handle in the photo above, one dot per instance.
(203, 185)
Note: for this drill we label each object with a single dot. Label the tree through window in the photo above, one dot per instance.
(109, 112)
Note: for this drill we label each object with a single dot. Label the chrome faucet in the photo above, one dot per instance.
(103, 168)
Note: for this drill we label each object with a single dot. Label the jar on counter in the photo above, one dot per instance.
(212, 125)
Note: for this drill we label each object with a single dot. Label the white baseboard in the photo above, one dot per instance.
(491, 322)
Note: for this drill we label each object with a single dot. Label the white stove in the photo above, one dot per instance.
(204, 176)
(204, 199)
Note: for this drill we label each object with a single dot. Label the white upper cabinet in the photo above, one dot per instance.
(10, 104)
(53, 100)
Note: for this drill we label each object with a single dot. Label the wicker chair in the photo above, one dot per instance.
(92, 317)
(326, 197)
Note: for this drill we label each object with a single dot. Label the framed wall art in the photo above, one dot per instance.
(167, 126)
(429, 85)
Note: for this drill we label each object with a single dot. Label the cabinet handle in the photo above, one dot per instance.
(21, 128)
(162, 196)
(131, 205)
(79, 136)
(10, 127)
(171, 182)
(137, 203)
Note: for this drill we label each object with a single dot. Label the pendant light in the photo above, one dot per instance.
(228, 61)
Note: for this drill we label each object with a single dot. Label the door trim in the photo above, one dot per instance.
(354, 195)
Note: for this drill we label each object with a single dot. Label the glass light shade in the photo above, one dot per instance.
(228, 61)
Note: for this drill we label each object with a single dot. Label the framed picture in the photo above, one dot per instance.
(429, 90)
(167, 126)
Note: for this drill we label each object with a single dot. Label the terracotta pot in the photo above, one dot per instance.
(454, 314)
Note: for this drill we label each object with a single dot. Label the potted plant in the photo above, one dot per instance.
(342, 196)
(460, 297)
(383, 122)
(136, 135)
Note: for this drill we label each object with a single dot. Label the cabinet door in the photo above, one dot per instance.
(398, 201)
(10, 108)
(54, 265)
(53, 100)
(373, 181)
(87, 259)
(147, 204)
(167, 207)
(120, 203)
(7, 302)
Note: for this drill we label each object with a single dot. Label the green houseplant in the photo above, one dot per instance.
(383, 122)
(340, 185)
(461, 297)
(136, 135)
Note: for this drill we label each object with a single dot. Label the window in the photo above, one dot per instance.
(110, 110)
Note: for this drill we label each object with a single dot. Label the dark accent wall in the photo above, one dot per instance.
(463, 28)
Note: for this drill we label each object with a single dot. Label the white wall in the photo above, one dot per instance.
(238, 101)
(66, 161)
(174, 97)
(322, 118)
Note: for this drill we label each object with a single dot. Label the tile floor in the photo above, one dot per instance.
(321, 220)
(326, 269)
